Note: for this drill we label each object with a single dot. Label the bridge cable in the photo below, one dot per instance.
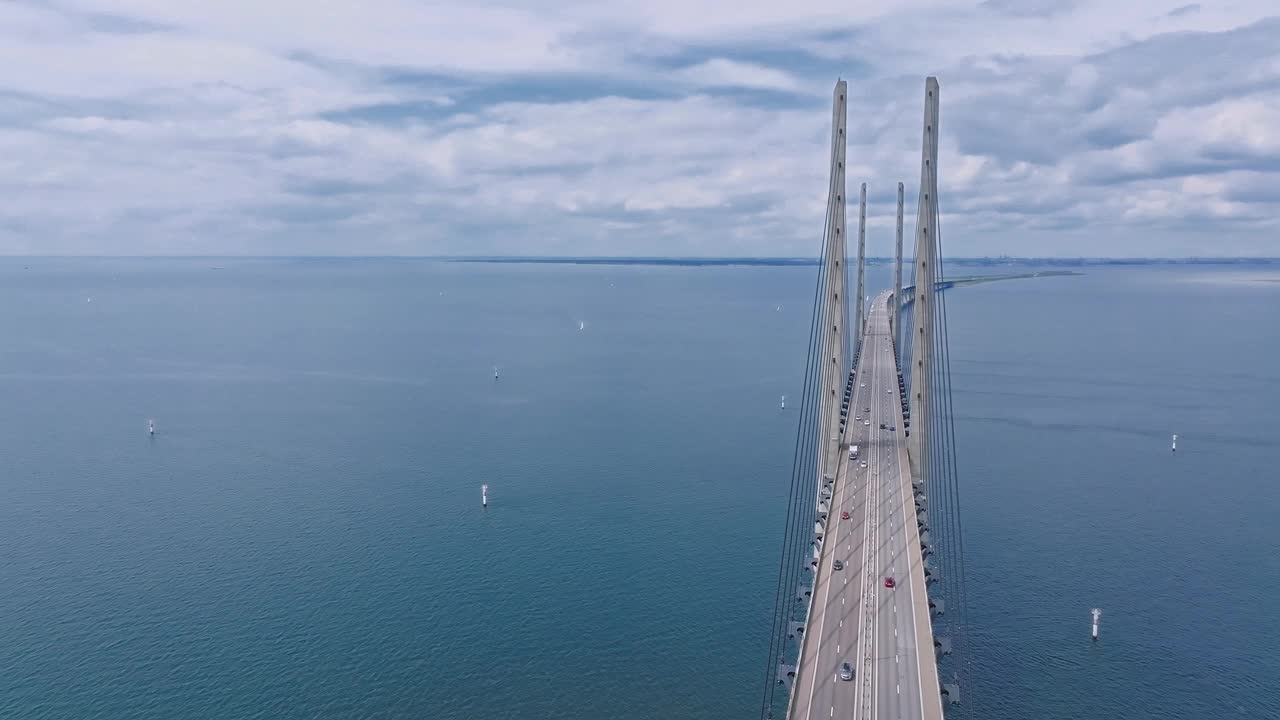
(791, 560)
(962, 611)
(780, 612)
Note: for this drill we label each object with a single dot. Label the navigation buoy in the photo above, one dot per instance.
(1096, 614)
(484, 496)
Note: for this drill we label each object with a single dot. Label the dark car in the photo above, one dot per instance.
(837, 565)
(846, 671)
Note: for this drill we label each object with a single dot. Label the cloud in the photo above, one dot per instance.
(722, 73)
(691, 127)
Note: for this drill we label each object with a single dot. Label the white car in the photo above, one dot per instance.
(864, 464)
(866, 422)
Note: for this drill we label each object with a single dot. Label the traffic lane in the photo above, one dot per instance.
(907, 690)
(865, 689)
(862, 554)
(822, 649)
(862, 647)
(841, 696)
(905, 648)
(895, 614)
(888, 704)
(899, 605)
(908, 652)
(888, 687)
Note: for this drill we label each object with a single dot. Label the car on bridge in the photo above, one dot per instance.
(889, 583)
(846, 672)
(892, 429)
(837, 565)
(844, 515)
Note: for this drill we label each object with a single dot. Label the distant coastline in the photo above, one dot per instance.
(776, 262)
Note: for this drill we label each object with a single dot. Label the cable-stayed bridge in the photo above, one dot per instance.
(869, 617)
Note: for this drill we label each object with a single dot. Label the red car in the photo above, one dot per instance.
(844, 516)
(888, 582)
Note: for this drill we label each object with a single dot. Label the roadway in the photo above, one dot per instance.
(884, 633)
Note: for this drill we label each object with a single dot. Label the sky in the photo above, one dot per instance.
(624, 128)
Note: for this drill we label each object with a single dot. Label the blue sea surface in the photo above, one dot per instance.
(303, 536)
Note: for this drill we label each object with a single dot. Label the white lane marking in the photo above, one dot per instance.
(833, 711)
(899, 688)
(841, 601)
(841, 623)
(837, 648)
(895, 631)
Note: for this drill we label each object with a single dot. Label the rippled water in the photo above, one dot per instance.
(303, 536)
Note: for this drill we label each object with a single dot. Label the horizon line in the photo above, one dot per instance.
(667, 258)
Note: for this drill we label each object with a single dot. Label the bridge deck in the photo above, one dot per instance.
(884, 633)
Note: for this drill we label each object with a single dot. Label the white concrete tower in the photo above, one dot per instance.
(921, 400)
(897, 276)
(859, 315)
(835, 332)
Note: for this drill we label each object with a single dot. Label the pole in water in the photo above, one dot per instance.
(1175, 443)
(151, 427)
(1096, 614)
(484, 496)
(495, 372)
(783, 404)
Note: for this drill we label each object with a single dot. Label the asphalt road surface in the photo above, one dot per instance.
(883, 633)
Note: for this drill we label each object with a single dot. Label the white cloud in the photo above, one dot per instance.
(604, 127)
(722, 73)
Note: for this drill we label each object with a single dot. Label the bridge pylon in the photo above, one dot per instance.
(859, 318)
(920, 401)
(895, 317)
